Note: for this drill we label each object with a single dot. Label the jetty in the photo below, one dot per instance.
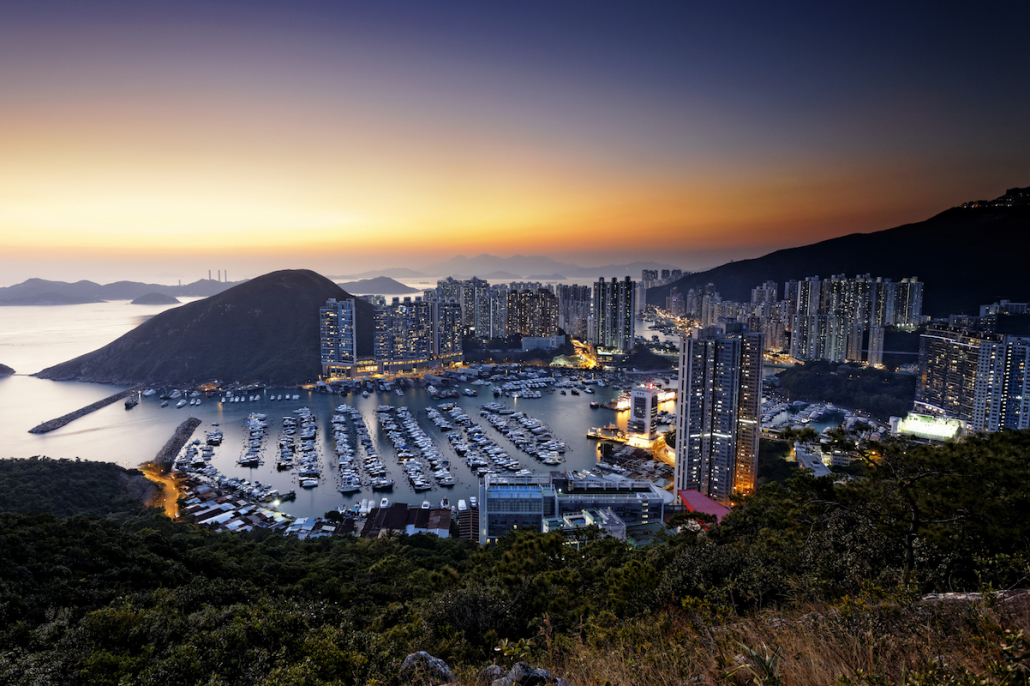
(606, 434)
(166, 456)
(53, 424)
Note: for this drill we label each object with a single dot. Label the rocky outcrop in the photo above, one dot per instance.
(521, 674)
(423, 668)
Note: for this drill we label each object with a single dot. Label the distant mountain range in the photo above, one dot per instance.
(43, 292)
(392, 272)
(967, 256)
(380, 285)
(265, 329)
(523, 266)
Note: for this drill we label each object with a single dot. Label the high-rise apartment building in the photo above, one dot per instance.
(948, 362)
(408, 335)
(718, 412)
(613, 315)
(532, 313)
(1002, 396)
(574, 304)
(338, 335)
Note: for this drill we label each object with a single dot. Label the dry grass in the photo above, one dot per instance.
(852, 642)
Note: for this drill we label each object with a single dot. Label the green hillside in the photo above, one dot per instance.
(815, 583)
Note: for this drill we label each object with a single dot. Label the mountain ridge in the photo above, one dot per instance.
(379, 285)
(959, 254)
(37, 291)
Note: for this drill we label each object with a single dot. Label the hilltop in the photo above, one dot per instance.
(155, 299)
(5, 370)
(967, 256)
(265, 329)
(380, 285)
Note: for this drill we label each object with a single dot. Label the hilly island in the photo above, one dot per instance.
(967, 256)
(265, 330)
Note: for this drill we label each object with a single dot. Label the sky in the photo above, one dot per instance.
(158, 140)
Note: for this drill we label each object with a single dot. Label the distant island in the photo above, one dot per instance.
(156, 299)
(5, 370)
(380, 285)
(265, 329)
(48, 299)
(44, 292)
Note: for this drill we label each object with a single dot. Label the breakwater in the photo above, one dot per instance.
(53, 424)
(166, 456)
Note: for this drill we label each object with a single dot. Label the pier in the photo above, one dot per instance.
(607, 435)
(166, 456)
(54, 424)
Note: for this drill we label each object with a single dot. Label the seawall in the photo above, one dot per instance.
(166, 456)
(53, 424)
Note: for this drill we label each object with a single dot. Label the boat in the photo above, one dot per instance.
(563, 392)
(426, 505)
(131, 402)
(164, 403)
(364, 394)
(181, 404)
(445, 504)
(384, 503)
(462, 506)
(472, 501)
(575, 392)
(398, 391)
(308, 483)
(149, 392)
(594, 404)
(470, 392)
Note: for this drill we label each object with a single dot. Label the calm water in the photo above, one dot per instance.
(33, 338)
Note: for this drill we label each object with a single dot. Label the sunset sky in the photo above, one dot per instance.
(157, 140)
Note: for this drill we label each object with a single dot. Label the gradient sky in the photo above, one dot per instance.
(157, 140)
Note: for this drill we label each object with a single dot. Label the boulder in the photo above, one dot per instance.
(421, 667)
(521, 674)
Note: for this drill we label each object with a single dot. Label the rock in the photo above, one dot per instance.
(491, 674)
(526, 675)
(422, 667)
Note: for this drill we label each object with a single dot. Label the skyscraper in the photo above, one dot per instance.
(613, 315)
(718, 412)
(337, 332)
(574, 309)
(1002, 396)
(948, 361)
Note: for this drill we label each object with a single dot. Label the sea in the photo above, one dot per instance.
(34, 338)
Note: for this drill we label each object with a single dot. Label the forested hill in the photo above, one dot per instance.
(967, 256)
(266, 329)
(820, 582)
(66, 488)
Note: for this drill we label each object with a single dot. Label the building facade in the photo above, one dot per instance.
(718, 413)
(614, 321)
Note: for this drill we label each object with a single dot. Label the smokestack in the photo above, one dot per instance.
(219, 276)
(208, 274)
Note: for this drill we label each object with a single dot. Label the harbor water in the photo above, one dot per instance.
(32, 338)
